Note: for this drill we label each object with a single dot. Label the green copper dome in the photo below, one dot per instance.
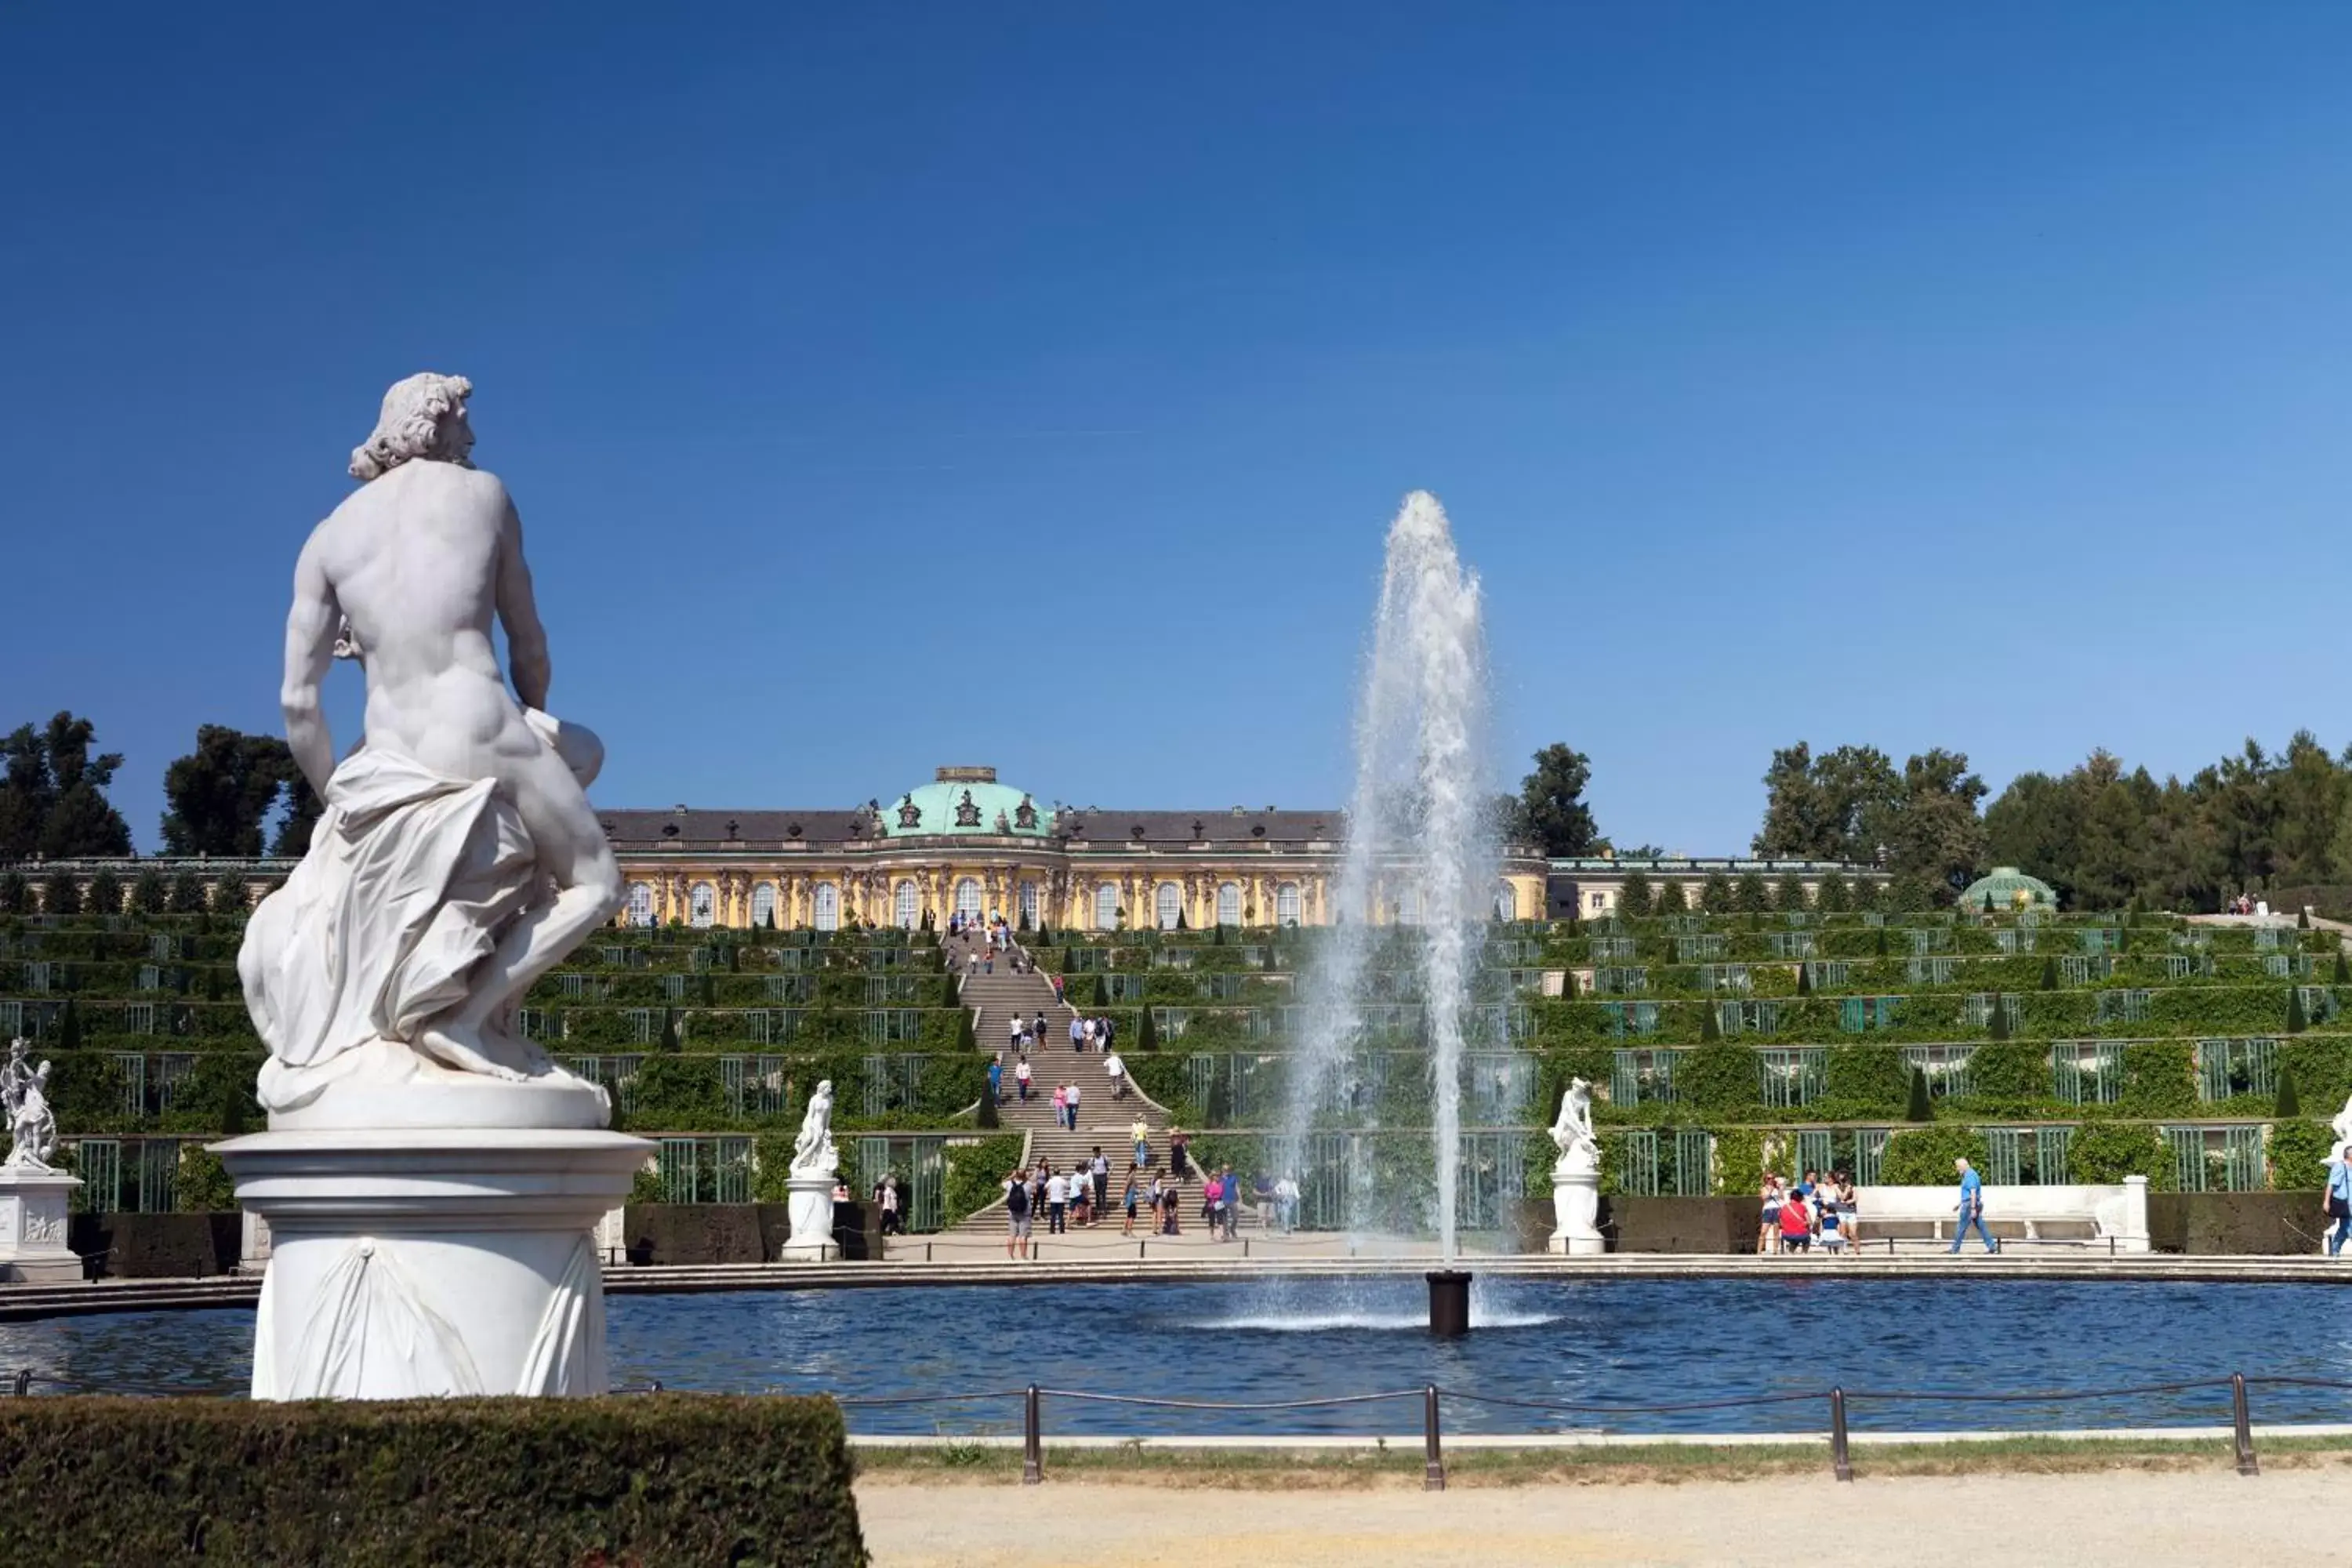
(968, 801)
(2004, 886)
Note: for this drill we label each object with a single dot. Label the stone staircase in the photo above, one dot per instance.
(1102, 1120)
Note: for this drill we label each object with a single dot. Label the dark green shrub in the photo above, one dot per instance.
(2050, 974)
(105, 894)
(661, 1478)
(2299, 1153)
(1673, 900)
(1832, 897)
(668, 1043)
(1715, 894)
(1148, 1037)
(1789, 895)
(1751, 894)
(2343, 969)
(187, 893)
(61, 895)
(2296, 1020)
(2288, 1105)
(2101, 1153)
(149, 893)
(16, 893)
(1919, 1108)
(1924, 1158)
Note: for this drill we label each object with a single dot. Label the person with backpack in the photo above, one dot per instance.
(1016, 1215)
(1971, 1208)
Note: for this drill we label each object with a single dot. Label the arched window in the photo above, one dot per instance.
(903, 905)
(763, 904)
(1286, 904)
(828, 907)
(1028, 920)
(1171, 905)
(1507, 901)
(967, 903)
(1229, 904)
(641, 903)
(1107, 905)
(704, 908)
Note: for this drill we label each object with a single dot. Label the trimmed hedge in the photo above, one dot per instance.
(652, 1479)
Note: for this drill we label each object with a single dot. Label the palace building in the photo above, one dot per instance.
(965, 843)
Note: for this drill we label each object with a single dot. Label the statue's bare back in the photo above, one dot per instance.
(419, 561)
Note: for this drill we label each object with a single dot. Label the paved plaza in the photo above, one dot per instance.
(2111, 1517)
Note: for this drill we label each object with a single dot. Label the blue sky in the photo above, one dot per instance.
(889, 386)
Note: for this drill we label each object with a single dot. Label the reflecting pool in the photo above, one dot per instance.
(1600, 1341)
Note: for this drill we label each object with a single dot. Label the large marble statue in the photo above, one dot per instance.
(1573, 1133)
(457, 858)
(814, 1151)
(429, 1180)
(2343, 1124)
(1576, 1176)
(815, 1171)
(32, 1128)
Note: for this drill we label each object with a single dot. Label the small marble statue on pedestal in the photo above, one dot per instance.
(34, 1195)
(817, 1171)
(430, 1180)
(1576, 1177)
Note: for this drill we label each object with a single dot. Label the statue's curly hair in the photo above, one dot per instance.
(410, 425)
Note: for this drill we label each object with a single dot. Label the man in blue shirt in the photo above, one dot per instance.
(1971, 1209)
(996, 1080)
(2337, 1204)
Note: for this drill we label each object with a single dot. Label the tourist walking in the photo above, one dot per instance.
(2337, 1202)
(1086, 1037)
(1138, 1133)
(1071, 1102)
(1020, 1076)
(1057, 1204)
(1037, 1031)
(1016, 1215)
(886, 1199)
(1127, 1199)
(1061, 1099)
(1286, 1203)
(1971, 1208)
(1077, 1028)
(1099, 1169)
(1013, 1042)
(996, 1080)
(1228, 1201)
(1115, 1071)
(1179, 1165)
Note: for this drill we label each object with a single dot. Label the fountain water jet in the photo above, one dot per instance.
(1419, 849)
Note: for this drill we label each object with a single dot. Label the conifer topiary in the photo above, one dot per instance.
(2049, 975)
(2297, 1020)
(1920, 1109)
(1804, 980)
(1147, 1039)
(2290, 1104)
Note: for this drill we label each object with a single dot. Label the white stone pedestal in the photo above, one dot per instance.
(1576, 1201)
(810, 1210)
(32, 1206)
(2132, 1235)
(418, 1262)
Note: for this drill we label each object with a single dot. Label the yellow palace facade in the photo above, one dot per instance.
(965, 843)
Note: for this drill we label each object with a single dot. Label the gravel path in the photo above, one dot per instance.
(2118, 1517)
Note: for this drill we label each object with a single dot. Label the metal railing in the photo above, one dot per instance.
(1838, 1401)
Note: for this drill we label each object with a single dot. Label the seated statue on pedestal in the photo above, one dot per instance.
(1572, 1134)
(457, 858)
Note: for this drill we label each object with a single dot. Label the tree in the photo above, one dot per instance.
(1633, 895)
(1715, 894)
(1999, 1020)
(1804, 980)
(669, 1044)
(1551, 809)
(1920, 1109)
(1868, 895)
(231, 896)
(61, 895)
(1710, 1024)
(1789, 895)
(2297, 1020)
(1751, 895)
(219, 796)
(16, 893)
(2290, 1105)
(70, 1027)
(301, 814)
(1832, 897)
(1934, 837)
(1147, 1039)
(53, 801)
(2049, 975)
(149, 893)
(104, 895)
(1825, 808)
(187, 893)
(1672, 899)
